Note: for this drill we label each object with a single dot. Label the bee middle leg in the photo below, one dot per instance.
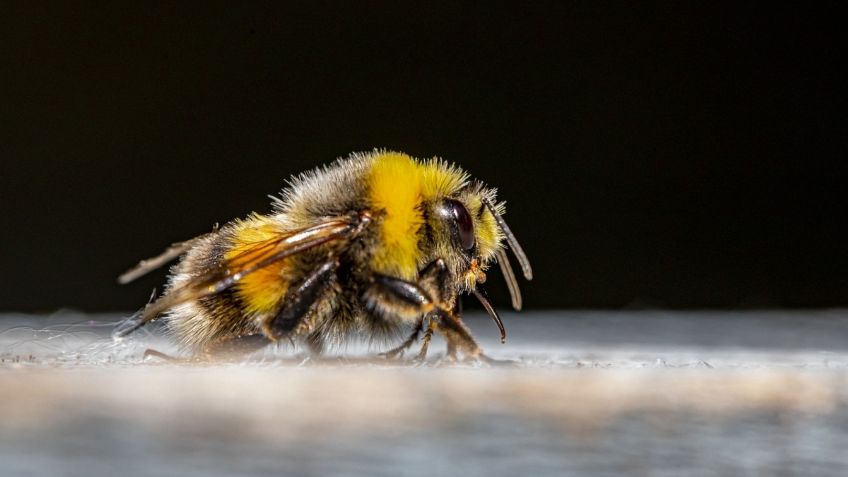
(300, 301)
(400, 349)
(425, 345)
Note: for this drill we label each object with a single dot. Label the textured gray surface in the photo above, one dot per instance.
(589, 393)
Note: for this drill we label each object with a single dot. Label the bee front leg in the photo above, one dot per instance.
(445, 318)
(456, 334)
(458, 337)
(395, 298)
(431, 298)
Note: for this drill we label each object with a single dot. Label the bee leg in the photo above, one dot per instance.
(300, 301)
(435, 278)
(451, 353)
(396, 351)
(395, 297)
(152, 353)
(234, 348)
(425, 343)
(458, 336)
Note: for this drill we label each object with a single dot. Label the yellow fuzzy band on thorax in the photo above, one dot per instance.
(398, 185)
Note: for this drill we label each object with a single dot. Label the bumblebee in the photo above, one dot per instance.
(377, 245)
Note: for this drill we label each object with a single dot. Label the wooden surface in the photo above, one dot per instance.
(586, 393)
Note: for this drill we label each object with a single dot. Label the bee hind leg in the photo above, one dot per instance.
(233, 348)
(230, 348)
(152, 353)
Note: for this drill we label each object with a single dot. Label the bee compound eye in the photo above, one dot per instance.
(464, 225)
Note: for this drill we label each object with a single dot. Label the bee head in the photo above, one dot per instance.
(465, 233)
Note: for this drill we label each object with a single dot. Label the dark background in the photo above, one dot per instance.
(652, 156)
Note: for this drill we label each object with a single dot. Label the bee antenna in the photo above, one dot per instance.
(509, 276)
(481, 295)
(512, 241)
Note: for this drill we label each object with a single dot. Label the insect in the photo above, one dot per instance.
(377, 245)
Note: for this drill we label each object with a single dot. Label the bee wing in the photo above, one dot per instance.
(254, 257)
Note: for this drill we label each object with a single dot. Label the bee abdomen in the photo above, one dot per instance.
(208, 319)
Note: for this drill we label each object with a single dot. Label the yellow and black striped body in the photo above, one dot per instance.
(406, 232)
